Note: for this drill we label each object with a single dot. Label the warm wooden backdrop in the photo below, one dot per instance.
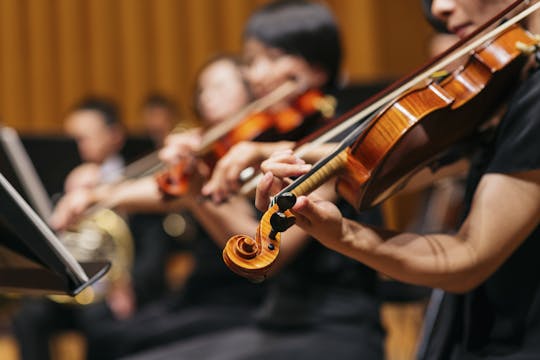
(54, 52)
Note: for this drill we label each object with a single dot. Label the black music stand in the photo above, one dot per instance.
(32, 258)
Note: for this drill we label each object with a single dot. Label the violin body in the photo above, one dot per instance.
(419, 126)
(413, 130)
(175, 181)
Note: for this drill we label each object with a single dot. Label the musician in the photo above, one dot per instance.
(320, 304)
(213, 298)
(490, 267)
(99, 135)
(95, 125)
(159, 116)
(320, 299)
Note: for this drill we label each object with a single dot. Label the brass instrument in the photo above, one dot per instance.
(103, 235)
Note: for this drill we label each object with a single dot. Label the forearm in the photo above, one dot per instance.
(140, 195)
(435, 260)
(221, 221)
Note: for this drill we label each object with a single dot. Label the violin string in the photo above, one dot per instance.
(372, 109)
(150, 164)
(141, 166)
(342, 146)
(216, 132)
(345, 125)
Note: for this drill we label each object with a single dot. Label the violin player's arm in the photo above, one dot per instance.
(141, 195)
(226, 174)
(236, 216)
(505, 210)
(225, 178)
(178, 145)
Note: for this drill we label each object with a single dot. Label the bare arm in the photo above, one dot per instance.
(225, 179)
(505, 210)
(495, 227)
(140, 195)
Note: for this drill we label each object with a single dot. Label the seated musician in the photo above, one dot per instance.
(212, 298)
(489, 268)
(95, 125)
(318, 300)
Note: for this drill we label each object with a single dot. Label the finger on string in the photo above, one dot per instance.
(262, 197)
(285, 156)
(282, 170)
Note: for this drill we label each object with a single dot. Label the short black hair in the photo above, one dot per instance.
(107, 108)
(301, 28)
(156, 99)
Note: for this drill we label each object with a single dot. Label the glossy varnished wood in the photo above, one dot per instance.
(416, 128)
(412, 131)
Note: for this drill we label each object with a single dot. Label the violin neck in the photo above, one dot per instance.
(330, 165)
(321, 172)
(216, 132)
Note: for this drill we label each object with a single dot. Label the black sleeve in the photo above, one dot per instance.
(517, 146)
(151, 244)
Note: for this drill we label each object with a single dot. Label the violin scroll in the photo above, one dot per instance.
(175, 181)
(253, 258)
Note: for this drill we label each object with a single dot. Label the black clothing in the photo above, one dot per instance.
(501, 317)
(148, 266)
(321, 305)
(213, 299)
(40, 319)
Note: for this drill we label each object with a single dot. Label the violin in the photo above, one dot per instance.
(250, 123)
(407, 132)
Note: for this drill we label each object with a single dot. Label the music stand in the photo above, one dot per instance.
(32, 258)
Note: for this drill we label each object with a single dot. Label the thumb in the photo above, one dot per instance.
(313, 211)
(306, 211)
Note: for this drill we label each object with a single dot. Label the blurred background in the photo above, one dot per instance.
(55, 52)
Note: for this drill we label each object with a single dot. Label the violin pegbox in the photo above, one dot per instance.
(282, 219)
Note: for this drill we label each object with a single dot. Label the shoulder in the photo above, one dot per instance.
(516, 144)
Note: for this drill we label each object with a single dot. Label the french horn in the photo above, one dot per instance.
(102, 236)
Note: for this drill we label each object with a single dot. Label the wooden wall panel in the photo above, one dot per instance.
(54, 52)
(104, 47)
(73, 54)
(359, 34)
(168, 75)
(42, 66)
(136, 58)
(15, 102)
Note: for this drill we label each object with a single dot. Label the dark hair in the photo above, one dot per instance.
(233, 59)
(301, 28)
(159, 100)
(105, 107)
(435, 23)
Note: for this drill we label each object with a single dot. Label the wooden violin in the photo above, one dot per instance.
(250, 123)
(409, 132)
